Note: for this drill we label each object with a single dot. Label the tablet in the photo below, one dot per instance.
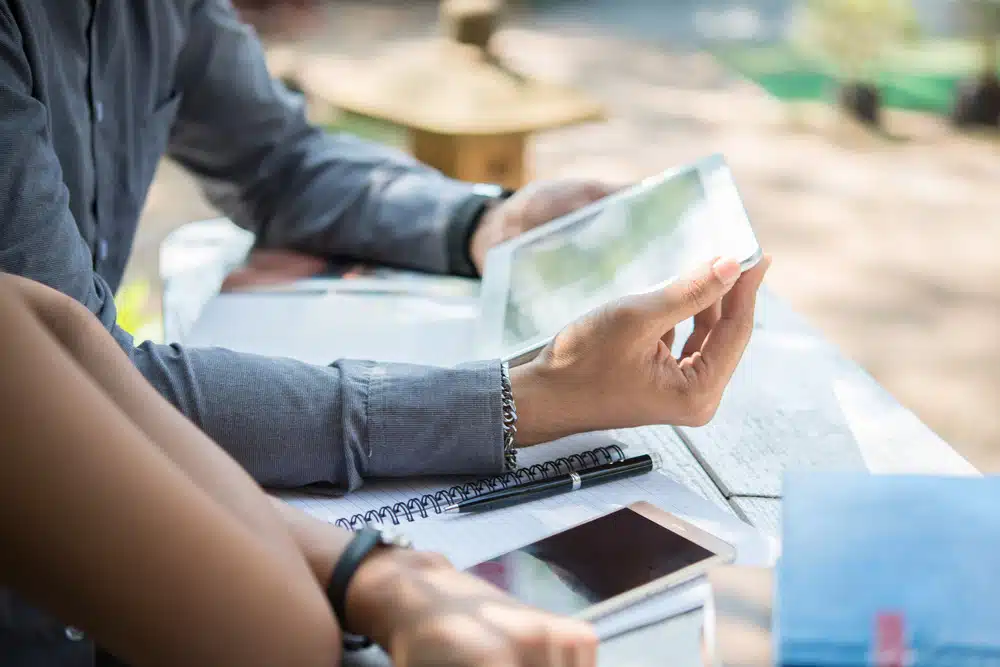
(630, 242)
(608, 563)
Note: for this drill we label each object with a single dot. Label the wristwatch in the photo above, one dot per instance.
(463, 224)
(364, 542)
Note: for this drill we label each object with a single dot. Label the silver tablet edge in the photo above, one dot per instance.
(752, 261)
(526, 354)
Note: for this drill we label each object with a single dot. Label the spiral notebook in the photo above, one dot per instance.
(424, 505)
(413, 506)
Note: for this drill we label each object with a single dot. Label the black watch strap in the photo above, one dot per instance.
(463, 224)
(362, 544)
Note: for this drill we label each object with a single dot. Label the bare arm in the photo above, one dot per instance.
(114, 532)
(97, 493)
(293, 534)
(86, 341)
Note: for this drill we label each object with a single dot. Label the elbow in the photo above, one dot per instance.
(48, 305)
(64, 317)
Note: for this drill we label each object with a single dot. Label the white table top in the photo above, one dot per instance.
(795, 402)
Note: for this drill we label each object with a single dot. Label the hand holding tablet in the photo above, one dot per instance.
(612, 369)
(630, 242)
(584, 307)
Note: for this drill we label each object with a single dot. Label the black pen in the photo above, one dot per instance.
(579, 479)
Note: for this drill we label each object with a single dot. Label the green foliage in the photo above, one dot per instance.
(982, 16)
(853, 36)
(983, 19)
(369, 128)
(918, 77)
(134, 316)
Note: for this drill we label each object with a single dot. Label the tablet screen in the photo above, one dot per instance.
(591, 563)
(631, 244)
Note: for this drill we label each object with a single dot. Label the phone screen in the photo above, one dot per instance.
(591, 563)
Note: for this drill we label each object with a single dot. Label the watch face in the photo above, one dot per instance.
(488, 190)
(391, 538)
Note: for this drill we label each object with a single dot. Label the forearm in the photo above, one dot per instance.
(185, 582)
(295, 185)
(321, 543)
(336, 196)
(373, 596)
(89, 345)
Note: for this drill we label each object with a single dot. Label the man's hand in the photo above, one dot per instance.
(281, 18)
(531, 206)
(423, 612)
(613, 368)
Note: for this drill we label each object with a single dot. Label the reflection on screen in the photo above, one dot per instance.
(596, 561)
(627, 246)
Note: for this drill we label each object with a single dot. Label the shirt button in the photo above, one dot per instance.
(73, 634)
(99, 111)
(102, 250)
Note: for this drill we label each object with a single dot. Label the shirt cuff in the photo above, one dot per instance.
(462, 225)
(415, 420)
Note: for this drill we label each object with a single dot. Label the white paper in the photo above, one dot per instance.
(472, 538)
(375, 495)
(680, 600)
(321, 328)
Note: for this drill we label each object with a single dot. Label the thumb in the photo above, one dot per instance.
(664, 308)
(569, 197)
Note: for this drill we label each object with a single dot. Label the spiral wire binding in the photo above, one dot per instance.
(434, 503)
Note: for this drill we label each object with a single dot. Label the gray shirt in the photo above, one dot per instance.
(92, 94)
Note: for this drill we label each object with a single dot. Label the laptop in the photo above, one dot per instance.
(633, 241)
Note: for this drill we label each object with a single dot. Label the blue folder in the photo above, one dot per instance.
(888, 570)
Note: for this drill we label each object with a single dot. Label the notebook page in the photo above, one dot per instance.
(375, 495)
(471, 538)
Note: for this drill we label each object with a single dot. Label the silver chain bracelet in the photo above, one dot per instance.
(509, 418)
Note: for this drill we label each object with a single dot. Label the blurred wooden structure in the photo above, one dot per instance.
(280, 18)
(464, 111)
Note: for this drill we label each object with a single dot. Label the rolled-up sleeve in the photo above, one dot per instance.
(292, 424)
(405, 431)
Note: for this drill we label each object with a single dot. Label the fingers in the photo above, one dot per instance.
(704, 322)
(582, 646)
(662, 309)
(581, 193)
(668, 339)
(566, 643)
(728, 339)
(586, 650)
(564, 197)
(595, 190)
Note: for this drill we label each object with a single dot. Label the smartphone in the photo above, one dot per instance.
(608, 563)
(633, 241)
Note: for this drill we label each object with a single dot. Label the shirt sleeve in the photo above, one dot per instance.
(287, 423)
(295, 185)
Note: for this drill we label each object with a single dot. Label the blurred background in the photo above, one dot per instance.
(863, 135)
